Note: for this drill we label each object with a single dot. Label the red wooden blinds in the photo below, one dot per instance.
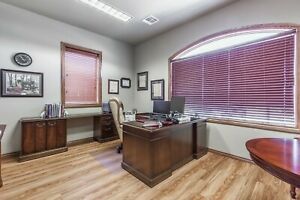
(81, 77)
(253, 82)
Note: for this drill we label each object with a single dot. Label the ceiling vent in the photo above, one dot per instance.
(150, 20)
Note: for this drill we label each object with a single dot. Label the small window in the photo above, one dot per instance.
(81, 77)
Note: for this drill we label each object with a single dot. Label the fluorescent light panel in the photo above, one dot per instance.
(107, 9)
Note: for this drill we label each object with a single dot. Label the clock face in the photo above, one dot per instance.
(23, 59)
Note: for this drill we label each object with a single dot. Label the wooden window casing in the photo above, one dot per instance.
(297, 81)
(80, 88)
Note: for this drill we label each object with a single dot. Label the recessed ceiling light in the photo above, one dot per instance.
(150, 20)
(108, 9)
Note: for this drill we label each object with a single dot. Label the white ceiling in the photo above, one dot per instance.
(171, 13)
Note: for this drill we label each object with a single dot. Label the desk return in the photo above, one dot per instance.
(151, 154)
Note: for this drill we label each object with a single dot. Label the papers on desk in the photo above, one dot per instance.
(129, 117)
(152, 124)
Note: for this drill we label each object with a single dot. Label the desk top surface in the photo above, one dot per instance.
(152, 129)
(2, 128)
(70, 116)
(281, 153)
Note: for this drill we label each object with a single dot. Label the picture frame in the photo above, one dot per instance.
(125, 83)
(16, 83)
(158, 89)
(113, 86)
(142, 81)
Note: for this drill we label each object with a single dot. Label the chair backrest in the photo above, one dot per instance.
(117, 109)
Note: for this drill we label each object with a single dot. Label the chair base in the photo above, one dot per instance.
(119, 148)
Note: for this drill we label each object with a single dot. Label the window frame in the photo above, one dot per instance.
(64, 46)
(294, 130)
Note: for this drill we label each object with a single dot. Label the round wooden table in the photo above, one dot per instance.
(279, 157)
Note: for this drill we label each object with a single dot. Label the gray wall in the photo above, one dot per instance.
(23, 31)
(153, 56)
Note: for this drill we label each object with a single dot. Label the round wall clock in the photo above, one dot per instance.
(22, 59)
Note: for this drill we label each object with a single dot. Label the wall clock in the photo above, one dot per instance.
(22, 59)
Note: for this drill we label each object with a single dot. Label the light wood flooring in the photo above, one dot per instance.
(93, 171)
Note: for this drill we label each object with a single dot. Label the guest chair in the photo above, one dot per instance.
(117, 109)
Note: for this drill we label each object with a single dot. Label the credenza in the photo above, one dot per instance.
(2, 128)
(43, 137)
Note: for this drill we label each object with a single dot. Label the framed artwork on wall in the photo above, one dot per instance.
(158, 89)
(142, 81)
(113, 86)
(21, 83)
(125, 82)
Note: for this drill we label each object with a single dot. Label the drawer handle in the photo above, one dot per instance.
(51, 123)
(107, 129)
(40, 124)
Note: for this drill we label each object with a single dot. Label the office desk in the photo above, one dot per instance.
(2, 128)
(279, 157)
(151, 154)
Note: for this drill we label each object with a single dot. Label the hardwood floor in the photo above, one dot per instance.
(93, 171)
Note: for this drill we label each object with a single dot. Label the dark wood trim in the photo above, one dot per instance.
(80, 142)
(230, 155)
(148, 181)
(102, 140)
(254, 125)
(23, 158)
(2, 129)
(10, 155)
(99, 66)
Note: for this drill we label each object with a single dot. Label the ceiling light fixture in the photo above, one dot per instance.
(108, 9)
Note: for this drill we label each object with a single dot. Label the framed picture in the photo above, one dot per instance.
(142, 81)
(113, 86)
(125, 82)
(21, 83)
(158, 89)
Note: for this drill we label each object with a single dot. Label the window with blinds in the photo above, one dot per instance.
(81, 78)
(251, 82)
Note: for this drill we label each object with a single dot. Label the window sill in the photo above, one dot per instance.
(256, 126)
(82, 105)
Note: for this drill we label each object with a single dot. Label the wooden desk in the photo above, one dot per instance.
(2, 128)
(42, 137)
(151, 154)
(279, 157)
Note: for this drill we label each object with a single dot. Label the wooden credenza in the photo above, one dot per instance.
(104, 128)
(2, 128)
(44, 137)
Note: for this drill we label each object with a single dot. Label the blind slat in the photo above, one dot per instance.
(250, 83)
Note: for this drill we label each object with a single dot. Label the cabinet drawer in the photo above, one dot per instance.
(107, 128)
(28, 138)
(107, 118)
(51, 134)
(40, 136)
(61, 134)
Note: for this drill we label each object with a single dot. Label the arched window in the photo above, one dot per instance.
(244, 76)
